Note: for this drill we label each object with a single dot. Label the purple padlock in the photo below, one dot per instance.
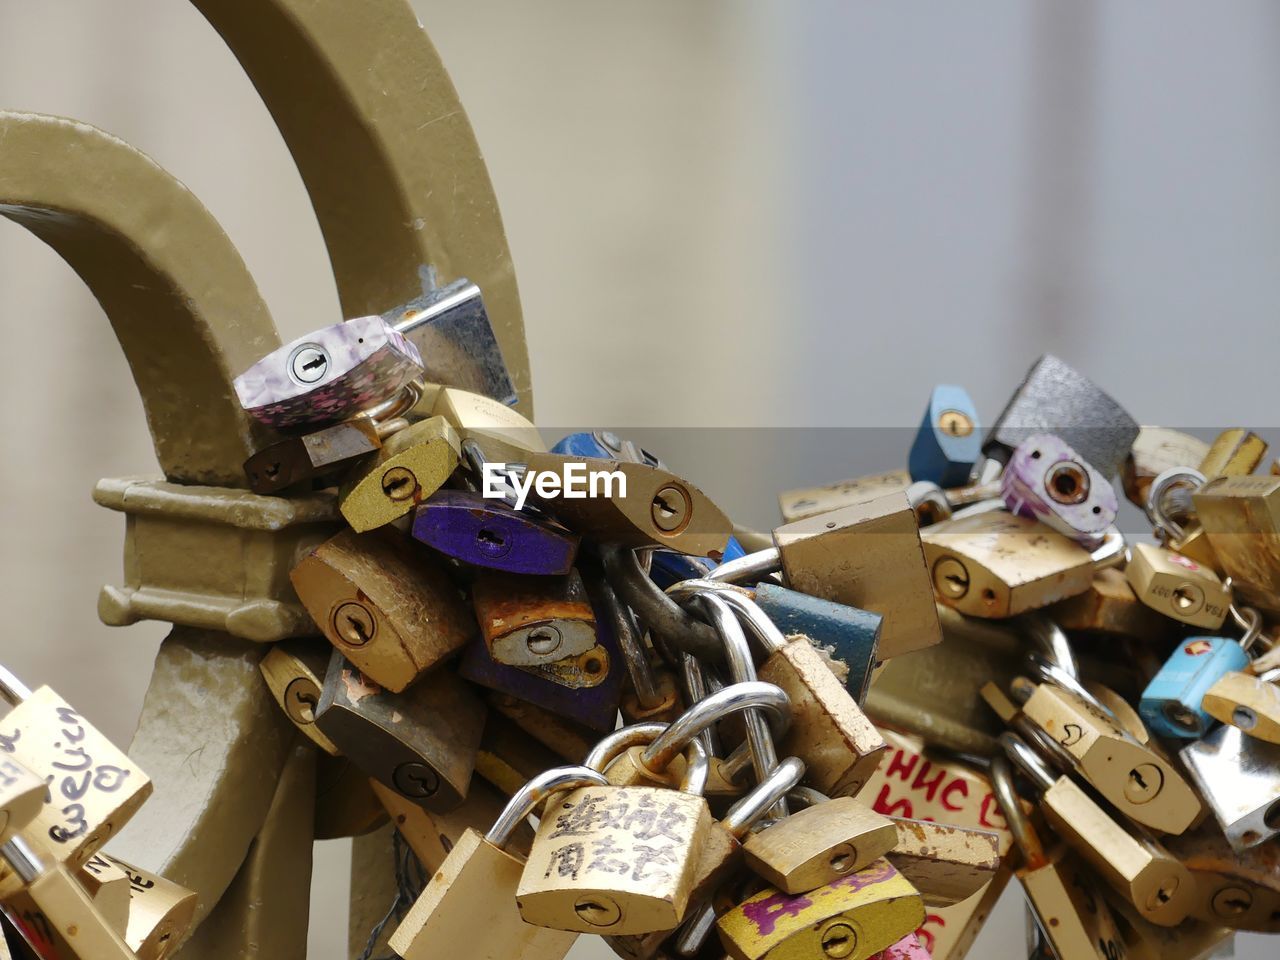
(594, 706)
(1046, 480)
(329, 375)
(490, 533)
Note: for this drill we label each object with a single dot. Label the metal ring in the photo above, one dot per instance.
(11, 688)
(805, 797)
(1250, 621)
(765, 630)
(721, 704)
(1163, 484)
(405, 399)
(1051, 673)
(1051, 639)
(529, 797)
(781, 781)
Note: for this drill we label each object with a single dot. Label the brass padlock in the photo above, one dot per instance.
(108, 888)
(422, 742)
(1177, 586)
(853, 917)
(819, 844)
(1140, 870)
(93, 788)
(529, 621)
(295, 459)
(386, 604)
(471, 899)
(1144, 940)
(1156, 450)
(945, 862)
(294, 671)
(21, 794)
(614, 860)
(1234, 888)
(412, 465)
(999, 564)
(477, 417)
(1137, 779)
(1248, 702)
(1110, 606)
(509, 757)
(160, 912)
(811, 501)
(1241, 517)
(1235, 452)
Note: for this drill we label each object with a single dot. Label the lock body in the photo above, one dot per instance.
(1171, 703)
(1068, 911)
(488, 533)
(615, 860)
(328, 375)
(811, 501)
(502, 432)
(1241, 517)
(1048, 481)
(1156, 450)
(1177, 586)
(108, 888)
(853, 917)
(297, 459)
(949, 440)
(1247, 702)
(294, 671)
(529, 621)
(421, 743)
(390, 609)
(1111, 607)
(998, 564)
(21, 795)
(944, 862)
(868, 556)
(411, 466)
(1235, 452)
(1240, 778)
(160, 912)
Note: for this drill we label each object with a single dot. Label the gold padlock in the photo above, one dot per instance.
(21, 795)
(93, 788)
(160, 912)
(1248, 702)
(1241, 517)
(1144, 940)
(477, 417)
(1237, 889)
(108, 888)
(945, 862)
(471, 899)
(999, 564)
(530, 621)
(1177, 586)
(853, 917)
(811, 501)
(1235, 452)
(386, 604)
(509, 757)
(294, 671)
(412, 465)
(1110, 606)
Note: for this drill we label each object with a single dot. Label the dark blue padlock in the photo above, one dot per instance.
(490, 533)
(1170, 705)
(669, 567)
(847, 634)
(949, 440)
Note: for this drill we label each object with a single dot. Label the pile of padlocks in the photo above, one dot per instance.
(841, 745)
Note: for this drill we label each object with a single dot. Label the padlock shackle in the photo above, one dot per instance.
(805, 797)
(1050, 638)
(1024, 834)
(1162, 494)
(742, 601)
(11, 688)
(627, 633)
(723, 703)
(697, 761)
(659, 612)
(751, 568)
(1027, 760)
(529, 797)
(747, 811)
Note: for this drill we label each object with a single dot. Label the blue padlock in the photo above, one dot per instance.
(1170, 706)
(669, 567)
(949, 440)
(605, 445)
(847, 634)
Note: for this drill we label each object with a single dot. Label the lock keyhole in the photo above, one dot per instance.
(598, 911)
(490, 542)
(399, 484)
(1146, 780)
(670, 509)
(354, 623)
(543, 639)
(1067, 482)
(839, 940)
(309, 363)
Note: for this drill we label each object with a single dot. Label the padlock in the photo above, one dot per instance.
(1239, 777)
(160, 912)
(1177, 586)
(295, 459)
(949, 440)
(495, 426)
(811, 501)
(568, 740)
(1136, 778)
(853, 917)
(1054, 398)
(421, 743)
(1046, 480)
(998, 564)
(1139, 869)
(488, 533)
(471, 898)
(528, 621)
(614, 860)
(1110, 606)
(1171, 702)
(667, 567)
(329, 375)
(21, 793)
(1234, 888)
(1143, 940)
(508, 757)
(945, 862)
(108, 888)
(867, 555)
(603, 445)
(386, 605)
(455, 338)
(93, 788)
(1156, 450)
(819, 844)
(294, 671)
(413, 464)
(1248, 702)
(1068, 912)
(1241, 518)
(54, 913)
(1235, 452)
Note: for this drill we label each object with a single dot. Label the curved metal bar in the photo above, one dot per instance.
(529, 797)
(385, 149)
(722, 703)
(658, 611)
(183, 306)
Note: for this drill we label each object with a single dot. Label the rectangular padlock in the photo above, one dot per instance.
(529, 621)
(294, 671)
(388, 605)
(1241, 518)
(1171, 703)
(1235, 452)
(810, 501)
(1177, 586)
(1109, 606)
(413, 464)
(495, 426)
(869, 556)
(1155, 450)
(949, 440)
(1240, 778)
(295, 459)
(22, 794)
(160, 912)
(108, 888)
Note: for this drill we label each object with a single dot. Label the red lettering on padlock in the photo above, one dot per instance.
(898, 808)
(930, 787)
(898, 762)
(953, 786)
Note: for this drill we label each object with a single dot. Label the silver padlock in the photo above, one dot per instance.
(1239, 777)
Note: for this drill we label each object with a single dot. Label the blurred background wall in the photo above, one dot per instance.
(722, 214)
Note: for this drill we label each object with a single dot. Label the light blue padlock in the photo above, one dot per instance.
(949, 440)
(1170, 706)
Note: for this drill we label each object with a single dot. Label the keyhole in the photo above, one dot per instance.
(490, 542)
(1145, 782)
(839, 940)
(1067, 482)
(354, 623)
(598, 911)
(1244, 718)
(308, 363)
(543, 640)
(301, 698)
(273, 470)
(670, 509)
(842, 859)
(399, 484)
